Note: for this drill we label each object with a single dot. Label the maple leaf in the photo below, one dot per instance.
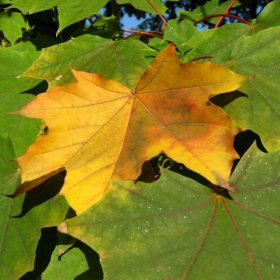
(99, 130)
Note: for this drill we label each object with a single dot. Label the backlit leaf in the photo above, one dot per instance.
(269, 17)
(179, 33)
(99, 129)
(213, 7)
(219, 49)
(121, 60)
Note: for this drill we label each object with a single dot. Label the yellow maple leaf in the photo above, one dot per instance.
(100, 130)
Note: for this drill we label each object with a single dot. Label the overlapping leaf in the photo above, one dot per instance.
(68, 11)
(11, 25)
(180, 33)
(248, 56)
(121, 60)
(99, 129)
(176, 228)
(213, 7)
(86, 260)
(219, 49)
(209, 8)
(261, 110)
(269, 17)
(22, 131)
(21, 221)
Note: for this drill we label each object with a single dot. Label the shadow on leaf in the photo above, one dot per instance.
(45, 257)
(39, 88)
(222, 100)
(36, 196)
(46, 246)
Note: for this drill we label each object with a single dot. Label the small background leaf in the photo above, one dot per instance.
(269, 17)
(11, 25)
(68, 11)
(180, 33)
(213, 7)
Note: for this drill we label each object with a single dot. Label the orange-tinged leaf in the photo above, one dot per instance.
(99, 130)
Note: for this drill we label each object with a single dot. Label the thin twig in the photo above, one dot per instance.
(156, 10)
(137, 31)
(219, 15)
(143, 34)
(225, 12)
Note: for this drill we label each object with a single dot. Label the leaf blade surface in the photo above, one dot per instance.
(99, 129)
(170, 228)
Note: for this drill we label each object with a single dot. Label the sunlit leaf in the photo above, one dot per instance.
(180, 33)
(269, 17)
(99, 129)
(261, 109)
(176, 228)
(121, 60)
(22, 218)
(11, 25)
(22, 131)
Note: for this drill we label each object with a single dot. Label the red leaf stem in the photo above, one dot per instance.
(219, 15)
(143, 34)
(225, 12)
(156, 10)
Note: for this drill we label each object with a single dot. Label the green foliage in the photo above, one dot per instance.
(22, 131)
(24, 216)
(179, 226)
(213, 7)
(144, 5)
(247, 56)
(69, 11)
(12, 32)
(112, 59)
(175, 225)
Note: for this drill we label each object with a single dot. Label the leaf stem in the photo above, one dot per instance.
(223, 15)
(225, 12)
(201, 57)
(156, 10)
(140, 33)
(57, 22)
(137, 31)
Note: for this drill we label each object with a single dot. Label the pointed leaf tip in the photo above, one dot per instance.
(62, 228)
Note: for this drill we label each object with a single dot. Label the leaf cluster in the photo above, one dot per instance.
(199, 201)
